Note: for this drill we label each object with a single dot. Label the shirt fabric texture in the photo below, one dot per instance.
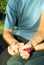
(26, 13)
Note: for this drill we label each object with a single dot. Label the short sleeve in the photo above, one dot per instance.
(11, 14)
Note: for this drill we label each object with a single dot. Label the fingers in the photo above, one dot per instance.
(14, 48)
(20, 45)
(26, 47)
(21, 49)
(24, 55)
(11, 52)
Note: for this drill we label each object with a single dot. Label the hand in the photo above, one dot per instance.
(24, 53)
(14, 48)
(29, 45)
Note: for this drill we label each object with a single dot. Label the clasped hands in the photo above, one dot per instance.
(20, 48)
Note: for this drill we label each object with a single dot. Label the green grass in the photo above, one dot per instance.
(1, 26)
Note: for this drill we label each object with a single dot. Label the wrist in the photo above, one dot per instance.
(14, 42)
(31, 46)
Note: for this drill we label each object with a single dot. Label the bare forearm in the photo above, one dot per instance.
(39, 35)
(37, 38)
(39, 47)
(8, 37)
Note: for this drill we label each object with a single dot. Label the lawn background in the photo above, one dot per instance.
(3, 4)
(1, 26)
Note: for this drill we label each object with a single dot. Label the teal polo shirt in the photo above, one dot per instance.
(26, 13)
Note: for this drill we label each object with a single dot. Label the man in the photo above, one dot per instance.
(29, 16)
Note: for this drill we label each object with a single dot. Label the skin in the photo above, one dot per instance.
(39, 35)
(35, 41)
(37, 38)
